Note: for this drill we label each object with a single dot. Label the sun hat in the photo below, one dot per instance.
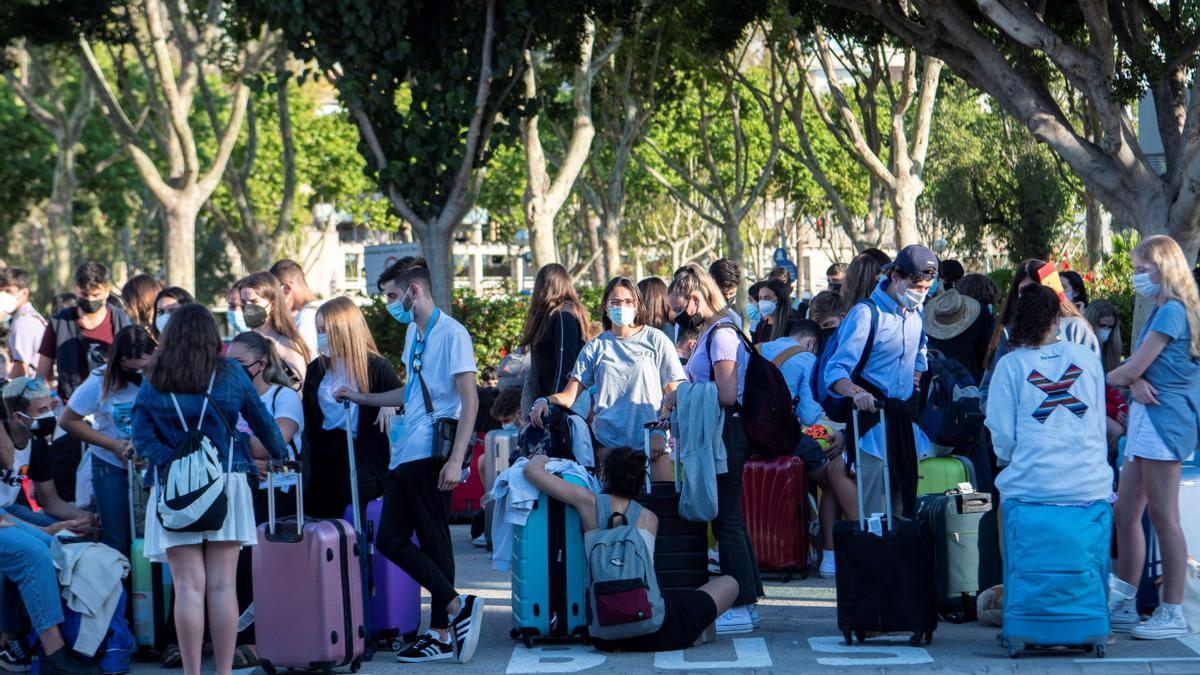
(949, 314)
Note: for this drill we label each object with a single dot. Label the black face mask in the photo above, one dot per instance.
(688, 321)
(823, 338)
(43, 428)
(249, 372)
(132, 377)
(254, 315)
(88, 306)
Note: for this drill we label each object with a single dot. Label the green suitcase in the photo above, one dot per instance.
(966, 550)
(939, 475)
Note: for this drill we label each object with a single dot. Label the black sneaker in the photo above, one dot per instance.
(466, 627)
(428, 647)
(13, 658)
(66, 662)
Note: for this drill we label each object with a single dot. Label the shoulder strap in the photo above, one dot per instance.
(866, 353)
(712, 374)
(783, 356)
(603, 510)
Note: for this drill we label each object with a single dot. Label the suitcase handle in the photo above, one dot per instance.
(887, 480)
(647, 431)
(271, 501)
(353, 471)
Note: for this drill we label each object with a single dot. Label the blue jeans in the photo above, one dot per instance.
(28, 577)
(110, 484)
(28, 515)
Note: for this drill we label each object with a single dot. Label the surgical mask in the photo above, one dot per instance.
(89, 306)
(255, 316)
(1144, 287)
(508, 426)
(398, 312)
(1104, 334)
(753, 312)
(8, 303)
(236, 321)
(622, 316)
(766, 307)
(161, 322)
(323, 344)
(912, 298)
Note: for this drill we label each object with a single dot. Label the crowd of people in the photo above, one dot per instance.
(115, 380)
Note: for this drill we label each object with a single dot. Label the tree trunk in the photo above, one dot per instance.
(612, 248)
(904, 210)
(736, 252)
(541, 239)
(592, 224)
(59, 218)
(436, 248)
(1097, 229)
(179, 243)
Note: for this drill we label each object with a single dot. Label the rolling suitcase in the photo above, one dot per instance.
(395, 598)
(939, 475)
(963, 550)
(885, 577)
(467, 498)
(681, 546)
(549, 573)
(775, 506)
(497, 445)
(1056, 565)
(150, 582)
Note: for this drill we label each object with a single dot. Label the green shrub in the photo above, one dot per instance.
(1112, 280)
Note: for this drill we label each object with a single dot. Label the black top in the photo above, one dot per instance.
(553, 356)
(327, 465)
(970, 346)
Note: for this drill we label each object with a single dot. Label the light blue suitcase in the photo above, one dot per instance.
(1056, 561)
(549, 573)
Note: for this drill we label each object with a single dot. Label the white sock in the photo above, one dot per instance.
(1171, 610)
(827, 553)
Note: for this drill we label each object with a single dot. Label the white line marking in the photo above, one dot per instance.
(751, 653)
(553, 659)
(899, 655)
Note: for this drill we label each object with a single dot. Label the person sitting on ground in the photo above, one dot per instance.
(687, 612)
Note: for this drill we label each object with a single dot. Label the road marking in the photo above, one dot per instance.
(751, 653)
(1192, 642)
(899, 655)
(553, 659)
(1144, 659)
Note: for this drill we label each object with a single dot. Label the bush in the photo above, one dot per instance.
(1113, 281)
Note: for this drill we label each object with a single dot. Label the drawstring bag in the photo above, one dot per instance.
(191, 496)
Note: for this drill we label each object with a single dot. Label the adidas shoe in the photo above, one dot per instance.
(428, 647)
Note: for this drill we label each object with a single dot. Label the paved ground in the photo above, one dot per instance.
(798, 634)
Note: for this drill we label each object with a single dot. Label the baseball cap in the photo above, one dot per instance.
(916, 261)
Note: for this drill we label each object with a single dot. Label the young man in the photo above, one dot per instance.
(728, 276)
(439, 360)
(834, 274)
(303, 302)
(77, 339)
(27, 326)
(896, 360)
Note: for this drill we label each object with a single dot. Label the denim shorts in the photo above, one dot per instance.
(810, 451)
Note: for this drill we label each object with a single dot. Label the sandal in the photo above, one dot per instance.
(171, 657)
(244, 657)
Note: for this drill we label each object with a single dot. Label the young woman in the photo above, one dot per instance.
(234, 319)
(266, 312)
(188, 386)
(1162, 375)
(1103, 317)
(348, 359)
(1075, 289)
(687, 613)
(555, 330)
(698, 303)
(139, 294)
(108, 396)
(632, 367)
(775, 306)
(861, 279)
(658, 312)
(165, 303)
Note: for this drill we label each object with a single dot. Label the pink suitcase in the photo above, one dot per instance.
(395, 598)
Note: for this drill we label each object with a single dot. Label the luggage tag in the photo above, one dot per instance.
(875, 524)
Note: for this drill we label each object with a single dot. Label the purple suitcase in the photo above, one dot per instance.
(395, 598)
(308, 601)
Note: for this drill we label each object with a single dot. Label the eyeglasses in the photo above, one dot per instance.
(615, 302)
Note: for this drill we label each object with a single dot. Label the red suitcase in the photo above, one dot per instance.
(467, 498)
(775, 508)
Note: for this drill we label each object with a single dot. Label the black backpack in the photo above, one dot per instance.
(768, 414)
(950, 410)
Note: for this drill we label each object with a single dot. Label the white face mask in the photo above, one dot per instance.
(8, 303)
(766, 307)
(912, 298)
(622, 316)
(161, 322)
(1104, 334)
(1144, 287)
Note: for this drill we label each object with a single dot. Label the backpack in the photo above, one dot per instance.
(191, 496)
(837, 408)
(768, 414)
(114, 653)
(949, 406)
(623, 597)
(557, 439)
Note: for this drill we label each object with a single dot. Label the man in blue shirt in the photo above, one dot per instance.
(895, 363)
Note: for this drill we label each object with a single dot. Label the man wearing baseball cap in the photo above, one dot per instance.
(894, 360)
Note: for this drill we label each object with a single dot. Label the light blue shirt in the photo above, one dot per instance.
(798, 372)
(1176, 376)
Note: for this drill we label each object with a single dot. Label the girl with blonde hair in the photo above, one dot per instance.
(266, 312)
(348, 358)
(1163, 374)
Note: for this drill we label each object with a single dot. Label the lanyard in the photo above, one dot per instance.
(412, 353)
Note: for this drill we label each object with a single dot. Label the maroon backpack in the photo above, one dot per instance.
(768, 413)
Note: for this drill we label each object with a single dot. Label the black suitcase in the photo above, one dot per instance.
(681, 547)
(966, 550)
(885, 582)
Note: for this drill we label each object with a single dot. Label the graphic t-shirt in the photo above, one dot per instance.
(30, 462)
(112, 414)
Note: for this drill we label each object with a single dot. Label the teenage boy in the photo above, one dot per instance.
(728, 276)
(301, 300)
(440, 363)
(78, 338)
(895, 363)
(27, 326)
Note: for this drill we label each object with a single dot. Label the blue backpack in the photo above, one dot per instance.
(113, 656)
(837, 408)
(950, 411)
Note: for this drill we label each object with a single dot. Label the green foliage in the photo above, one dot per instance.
(1113, 281)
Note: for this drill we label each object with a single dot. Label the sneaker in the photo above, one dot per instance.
(66, 662)
(480, 541)
(428, 647)
(1164, 625)
(13, 658)
(828, 568)
(467, 626)
(1123, 614)
(714, 561)
(752, 610)
(734, 621)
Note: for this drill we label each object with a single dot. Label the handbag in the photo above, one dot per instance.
(444, 428)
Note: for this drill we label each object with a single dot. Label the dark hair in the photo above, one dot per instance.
(1078, 287)
(140, 295)
(14, 276)
(804, 328)
(779, 273)
(726, 273)
(624, 472)
(488, 373)
(825, 303)
(657, 311)
(950, 271)
(174, 292)
(507, 403)
(879, 256)
(1036, 311)
(979, 286)
(91, 275)
(405, 271)
(683, 334)
(288, 270)
(783, 308)
(627, 284)
(552, 292)
(263, 349)
(835, 268)
(189, 352)
(131, 342)
(63, 301)
(861, 278)
(1008, 314)
(754, 289)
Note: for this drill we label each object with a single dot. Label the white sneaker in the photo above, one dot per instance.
(1123, 614)
(480, 541)
(734, 621)
(752, 610)
(714, 561)
(828, 568)
(1166, 623)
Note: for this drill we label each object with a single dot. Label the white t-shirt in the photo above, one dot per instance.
(284, 402)
(111, 415)
(447, 353)
(306, 323)
(25, 335)
(12, 477)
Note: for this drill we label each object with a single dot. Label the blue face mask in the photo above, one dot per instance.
(323, 344)
(752, 311)
(236, 321)
(934, 288)
(398, 312)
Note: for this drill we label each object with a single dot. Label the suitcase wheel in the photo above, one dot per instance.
(915, 640)
(527, 641)
(356, 665)
(1014, 650)
(514, 634)
(849, 638)
(267, 667)
(862, 636)
(1101, 651)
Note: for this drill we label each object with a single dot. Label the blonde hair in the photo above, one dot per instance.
(693, 278)
(1177, 282)
(350, 341)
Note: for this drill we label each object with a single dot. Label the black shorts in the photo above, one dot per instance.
(810, 451)
(688, 613)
